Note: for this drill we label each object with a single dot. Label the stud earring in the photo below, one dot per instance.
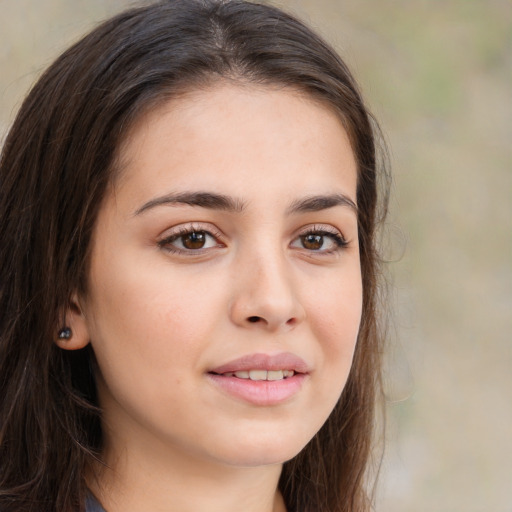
(65, 333)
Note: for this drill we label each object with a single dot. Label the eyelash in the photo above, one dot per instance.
(166, 243)
(323, 231)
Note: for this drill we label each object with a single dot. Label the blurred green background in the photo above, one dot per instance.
(438, 76)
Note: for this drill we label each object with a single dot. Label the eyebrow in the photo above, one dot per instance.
(321, 202)
(222, 202)
(203, 199)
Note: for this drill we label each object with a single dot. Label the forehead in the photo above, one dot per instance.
(239, 132)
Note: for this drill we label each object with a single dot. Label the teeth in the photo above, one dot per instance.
(258, 374)
(261, 374)
(275, 375)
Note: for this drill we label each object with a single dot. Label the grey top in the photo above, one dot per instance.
(92, 505)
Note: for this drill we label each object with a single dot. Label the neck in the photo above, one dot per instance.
(167, 480)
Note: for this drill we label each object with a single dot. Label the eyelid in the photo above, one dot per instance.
(319, 228)
(324, 230)
(165, 240)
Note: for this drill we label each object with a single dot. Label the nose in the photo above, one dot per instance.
(265, 295)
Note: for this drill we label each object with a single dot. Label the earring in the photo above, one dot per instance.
(65, 333)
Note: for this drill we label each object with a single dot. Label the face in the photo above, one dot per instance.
(224, 295)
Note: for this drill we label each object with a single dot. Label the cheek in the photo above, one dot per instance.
(150, 309)
(338, 314)
(337, 317)
(149, 330)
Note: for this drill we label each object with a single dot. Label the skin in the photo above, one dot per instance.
(160, 317)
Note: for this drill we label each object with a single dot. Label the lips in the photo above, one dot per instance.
(261, 379)
(283, 361)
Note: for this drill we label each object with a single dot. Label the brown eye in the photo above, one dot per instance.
(190, 241)
(194, 240)
(312, 242)
(321, 241)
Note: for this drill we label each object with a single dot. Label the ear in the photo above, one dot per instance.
(76, 323)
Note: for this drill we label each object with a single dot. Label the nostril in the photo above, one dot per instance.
(254, 319)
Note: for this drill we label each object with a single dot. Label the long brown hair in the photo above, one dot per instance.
(55, 165)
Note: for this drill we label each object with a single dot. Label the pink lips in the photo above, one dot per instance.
(261, 392)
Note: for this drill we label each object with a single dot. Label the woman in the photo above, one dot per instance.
(188, 205)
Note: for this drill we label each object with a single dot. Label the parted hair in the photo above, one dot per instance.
(55, 166)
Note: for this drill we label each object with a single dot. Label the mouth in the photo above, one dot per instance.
(256, 364)
(261, 379)
(258, 375)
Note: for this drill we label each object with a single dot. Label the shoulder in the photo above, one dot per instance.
(92, 504)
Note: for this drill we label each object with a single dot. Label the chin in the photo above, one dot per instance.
(263, 451)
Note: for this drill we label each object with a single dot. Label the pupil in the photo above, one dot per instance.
(194, 240)
(313, 242)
